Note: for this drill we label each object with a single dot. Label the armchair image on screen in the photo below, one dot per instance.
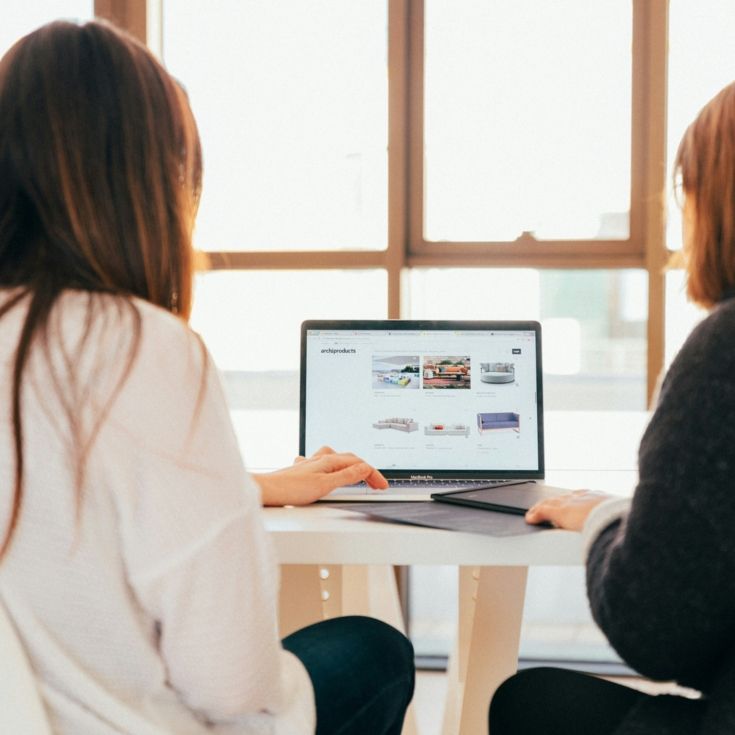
(497, 372)
(498, 421)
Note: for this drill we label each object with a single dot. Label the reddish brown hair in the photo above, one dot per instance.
(705, 167)
(100, 172)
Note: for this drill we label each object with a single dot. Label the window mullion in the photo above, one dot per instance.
(130, 15)
(650, 49)
(399, 29)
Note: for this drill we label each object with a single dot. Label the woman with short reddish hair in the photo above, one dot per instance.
(661, 568)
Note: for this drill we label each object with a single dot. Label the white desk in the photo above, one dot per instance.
(323, 535)
(335, 562)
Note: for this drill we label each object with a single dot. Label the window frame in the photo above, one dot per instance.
(406, 246)
(526, 248)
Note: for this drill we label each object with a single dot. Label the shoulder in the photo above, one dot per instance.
(707, 354)
(150, 372)
(110, 336)
(78, 312)
(168, 345)
(714, 331)
(684, 436)
(171, 375)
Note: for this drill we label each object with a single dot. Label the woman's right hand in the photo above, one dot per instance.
(311, 478)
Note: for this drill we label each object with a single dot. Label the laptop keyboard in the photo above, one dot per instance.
(420, 488)
(439, 484)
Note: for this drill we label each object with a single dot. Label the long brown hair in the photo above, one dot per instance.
(705, 167)
(100, 172)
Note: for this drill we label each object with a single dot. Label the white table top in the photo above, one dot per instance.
(323, 535)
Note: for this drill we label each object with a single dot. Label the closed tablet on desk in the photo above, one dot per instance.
(517, 498)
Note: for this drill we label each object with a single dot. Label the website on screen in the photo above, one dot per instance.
(445, 400)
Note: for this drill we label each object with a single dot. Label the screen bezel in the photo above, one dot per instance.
(435, 325)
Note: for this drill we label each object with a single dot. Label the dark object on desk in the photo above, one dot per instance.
(514, 498)
(444, 516)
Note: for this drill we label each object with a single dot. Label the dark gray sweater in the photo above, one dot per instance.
(661, 583)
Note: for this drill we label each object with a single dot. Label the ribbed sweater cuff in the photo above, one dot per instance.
(600, 518)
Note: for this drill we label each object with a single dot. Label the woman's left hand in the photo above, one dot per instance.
(567, 511)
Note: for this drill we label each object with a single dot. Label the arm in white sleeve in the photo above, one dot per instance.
(196, 550)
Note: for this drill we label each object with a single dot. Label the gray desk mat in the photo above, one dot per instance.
(442, 515)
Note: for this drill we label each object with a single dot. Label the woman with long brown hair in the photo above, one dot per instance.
(133, 561)
(661, 568)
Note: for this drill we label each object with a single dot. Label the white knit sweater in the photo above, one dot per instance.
(151, 607)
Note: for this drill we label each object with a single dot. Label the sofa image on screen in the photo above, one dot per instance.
(400, 424)
(447, 430)
(446, 371)
(392, 371)
(497, 372)
(495, 421)
(396, 379)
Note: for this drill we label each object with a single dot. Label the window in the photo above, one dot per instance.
(701, 62)
(26, 17)
(291, 103)
(519, 136)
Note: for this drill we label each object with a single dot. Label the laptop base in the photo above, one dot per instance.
(402, 491)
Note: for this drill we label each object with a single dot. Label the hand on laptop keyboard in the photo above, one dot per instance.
(311, 478)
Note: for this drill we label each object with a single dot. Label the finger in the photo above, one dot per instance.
(351, 474)
(546, 510)
(533, 514)
(376, 480)
(335, 461)
(322, 451)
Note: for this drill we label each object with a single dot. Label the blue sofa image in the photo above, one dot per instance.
(493, 421)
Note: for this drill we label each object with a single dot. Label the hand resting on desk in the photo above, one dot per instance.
(311, 478)
(567, 511)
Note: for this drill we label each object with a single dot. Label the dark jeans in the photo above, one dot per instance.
(362, 671)
(559, 702)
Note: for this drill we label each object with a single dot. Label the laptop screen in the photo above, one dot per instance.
(447, 399)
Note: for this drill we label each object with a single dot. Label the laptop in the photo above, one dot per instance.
(436, 406)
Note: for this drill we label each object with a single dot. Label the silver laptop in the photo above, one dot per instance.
(435, 405)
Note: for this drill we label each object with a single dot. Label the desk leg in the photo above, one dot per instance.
(486, 651)
(311, 593)
(300, 602)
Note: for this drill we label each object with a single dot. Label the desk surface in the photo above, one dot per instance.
(323, 535)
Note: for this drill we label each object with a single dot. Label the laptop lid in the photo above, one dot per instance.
(426, 399)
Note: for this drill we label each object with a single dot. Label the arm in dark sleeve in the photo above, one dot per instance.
(661, 583)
